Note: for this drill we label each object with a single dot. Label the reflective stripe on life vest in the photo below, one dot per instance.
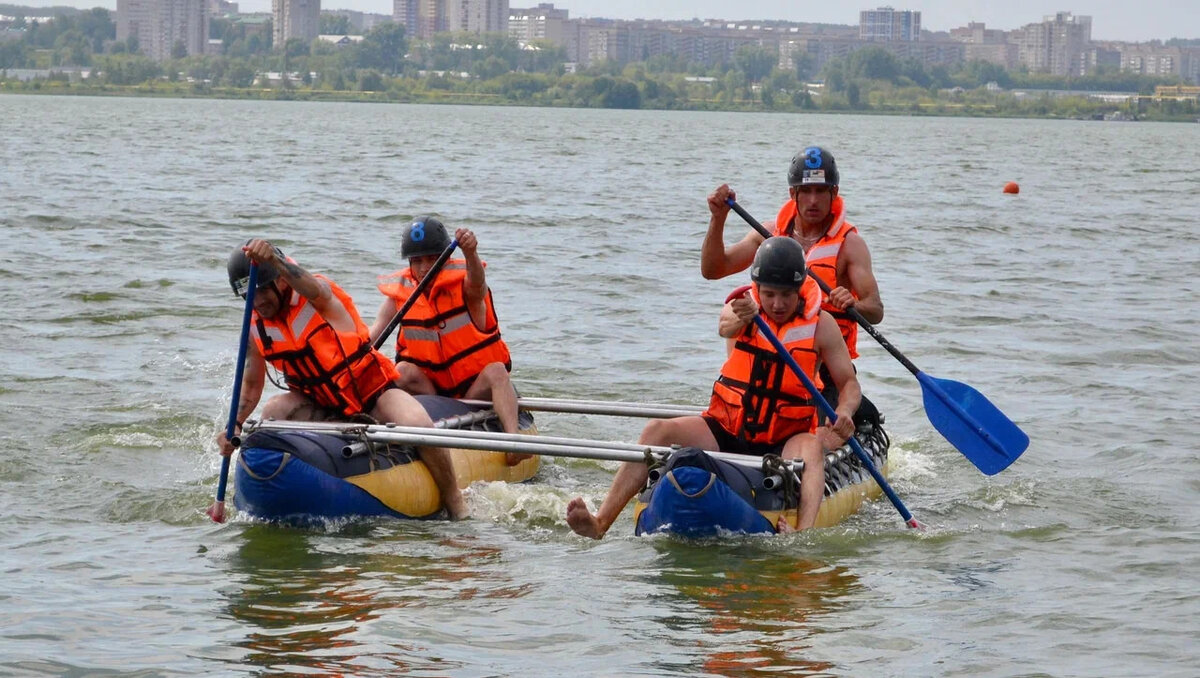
(822, 259)
(437, 333)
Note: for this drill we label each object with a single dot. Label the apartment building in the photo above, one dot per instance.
(300, 19)
(164, 28)
(1056, 45)
(889, 25)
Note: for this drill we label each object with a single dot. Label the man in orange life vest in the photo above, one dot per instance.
(758, 405)
(814, 216)
(449, 340)
(308, 328)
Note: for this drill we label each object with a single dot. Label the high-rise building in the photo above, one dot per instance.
(1056, 45)
(984, 44)
(543, 22)
(889, 25)
(404, 12)
(164, 28)
(476, 16)
(299, 19)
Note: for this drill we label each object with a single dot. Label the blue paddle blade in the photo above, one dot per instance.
(972, 424)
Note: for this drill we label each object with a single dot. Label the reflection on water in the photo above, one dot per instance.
(341, 602)
(760, 603)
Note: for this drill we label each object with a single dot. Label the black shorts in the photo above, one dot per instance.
(314, 412)
(866, 411)
(727, 442)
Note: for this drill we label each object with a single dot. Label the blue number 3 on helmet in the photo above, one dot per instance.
(813, 166)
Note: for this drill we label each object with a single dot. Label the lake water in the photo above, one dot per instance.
(1073, 306)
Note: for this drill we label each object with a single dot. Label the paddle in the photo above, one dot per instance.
(412, 299)
(964, 417)
(217, 510)
(830, 413)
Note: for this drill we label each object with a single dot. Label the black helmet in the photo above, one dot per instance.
(814, 166)
(425, 235)
(778, 263)
(239, 270)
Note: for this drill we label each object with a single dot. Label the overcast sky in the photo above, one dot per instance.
(1134, 20)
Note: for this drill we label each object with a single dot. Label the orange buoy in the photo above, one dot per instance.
(1012, 187)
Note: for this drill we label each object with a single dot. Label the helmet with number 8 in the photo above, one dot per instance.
(424, 236)
(813, 166)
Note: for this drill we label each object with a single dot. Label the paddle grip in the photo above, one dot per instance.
(412, 299)
(829, 412)
(239, 369)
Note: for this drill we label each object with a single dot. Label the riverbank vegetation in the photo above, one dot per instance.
(386, 66)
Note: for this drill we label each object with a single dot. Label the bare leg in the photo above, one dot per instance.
(631, 477)
(401, 408)
(291, 407)
(494, 384)
(812, 484)
(414, 381)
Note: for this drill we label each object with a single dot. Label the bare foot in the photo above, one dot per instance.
(782, 526)
(514, 458)
(581, 519)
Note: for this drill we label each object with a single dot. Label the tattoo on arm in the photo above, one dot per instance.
(245, 408)
(293, 270)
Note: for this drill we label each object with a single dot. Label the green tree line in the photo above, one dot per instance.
(494, 68)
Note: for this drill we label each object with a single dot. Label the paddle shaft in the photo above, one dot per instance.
(240, 368)
(926, 383)
(851, 311)
(829, 412)
(426, 281)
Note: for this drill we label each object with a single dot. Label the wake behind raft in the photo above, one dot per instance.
(304, 477)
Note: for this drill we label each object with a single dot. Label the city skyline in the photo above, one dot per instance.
(1134, 22)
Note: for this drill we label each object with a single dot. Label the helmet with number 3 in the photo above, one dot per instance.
(424, 236)
(813, 166)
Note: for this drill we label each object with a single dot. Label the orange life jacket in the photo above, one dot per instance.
(437, 334)
(822, 259)
(337, 370)
(757, 397)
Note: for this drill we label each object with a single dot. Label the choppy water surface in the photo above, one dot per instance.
(1073, 306)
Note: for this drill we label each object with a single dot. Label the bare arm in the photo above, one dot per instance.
(717, 261)
(383, 317)
(254, 378)
(475, 285)
(833, 353)
(855, 273)
(305, 284)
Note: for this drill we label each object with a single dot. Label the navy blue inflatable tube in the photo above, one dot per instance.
(693, 502)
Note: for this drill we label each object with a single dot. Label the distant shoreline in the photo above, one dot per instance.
(183, 91)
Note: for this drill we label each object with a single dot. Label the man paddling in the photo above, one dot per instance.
(449, 340)
(758, 405)
(814, 216)
(308, 328)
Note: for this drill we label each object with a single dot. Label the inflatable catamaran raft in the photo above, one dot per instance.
(305, 472)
